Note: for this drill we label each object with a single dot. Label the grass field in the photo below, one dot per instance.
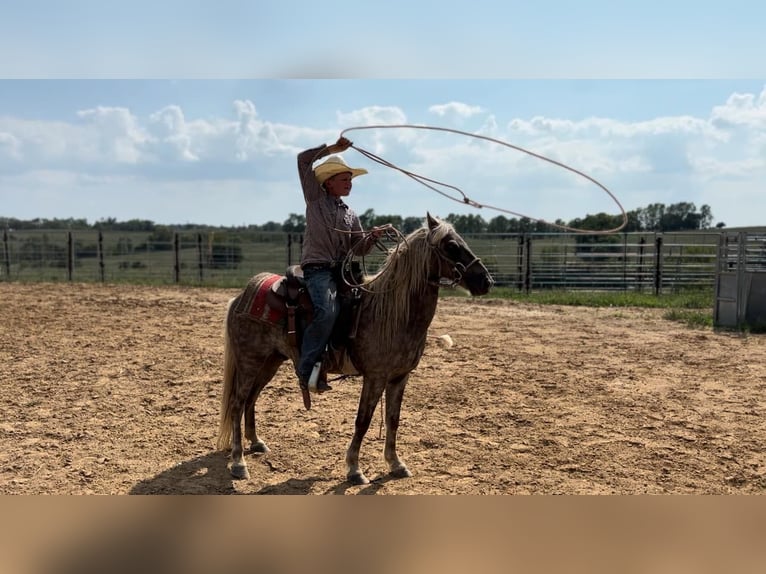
(694, 307)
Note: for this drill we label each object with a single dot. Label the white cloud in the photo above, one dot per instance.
(10, 146)
(171, 130)
(742, 110)
(455, 109)
(664, 159)
(115, 134)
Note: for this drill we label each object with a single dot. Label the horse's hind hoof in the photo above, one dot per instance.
(239, 471)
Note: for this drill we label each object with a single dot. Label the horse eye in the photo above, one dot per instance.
(453, 248)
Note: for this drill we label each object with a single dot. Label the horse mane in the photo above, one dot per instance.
(403, 276)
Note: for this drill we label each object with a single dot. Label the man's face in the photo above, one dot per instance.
(339, 185)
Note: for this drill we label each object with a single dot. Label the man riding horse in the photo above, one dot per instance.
(332, 230)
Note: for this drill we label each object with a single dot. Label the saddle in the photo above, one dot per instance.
(290, 294)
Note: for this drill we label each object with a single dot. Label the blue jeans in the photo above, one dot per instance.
(323, 291)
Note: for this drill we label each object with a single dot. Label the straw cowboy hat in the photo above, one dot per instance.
(334, 165)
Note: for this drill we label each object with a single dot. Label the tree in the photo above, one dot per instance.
(467, 223)
(271, 226)
(295, 223)
(499, 224)
(410, 224)
(366, 217)
(395, 220)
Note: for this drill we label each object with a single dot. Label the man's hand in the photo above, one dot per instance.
(379, 231)
(340, 146)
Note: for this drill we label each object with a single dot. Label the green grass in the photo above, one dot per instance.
(691, 299)
(693, 307)
(694, 319)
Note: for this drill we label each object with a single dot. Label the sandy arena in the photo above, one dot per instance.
(115, 390)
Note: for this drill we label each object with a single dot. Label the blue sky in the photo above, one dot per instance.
(190, 112)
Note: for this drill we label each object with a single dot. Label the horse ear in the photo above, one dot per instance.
(432, 222)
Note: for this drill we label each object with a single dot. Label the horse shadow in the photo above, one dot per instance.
(209, 474)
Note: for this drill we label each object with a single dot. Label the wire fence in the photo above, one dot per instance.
(528, 261)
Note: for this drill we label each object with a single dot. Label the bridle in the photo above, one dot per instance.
(458, 269)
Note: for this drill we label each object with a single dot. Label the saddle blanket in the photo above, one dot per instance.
(264, 307)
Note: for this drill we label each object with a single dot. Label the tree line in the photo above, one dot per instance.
(682, 216)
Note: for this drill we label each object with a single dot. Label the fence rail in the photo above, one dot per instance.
(529, 261)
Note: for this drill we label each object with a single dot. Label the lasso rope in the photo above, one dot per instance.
(467, 200)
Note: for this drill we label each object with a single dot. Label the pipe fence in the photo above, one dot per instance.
(653, 262)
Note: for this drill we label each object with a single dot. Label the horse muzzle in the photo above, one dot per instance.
(478, 283)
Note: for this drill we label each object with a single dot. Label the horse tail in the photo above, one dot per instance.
(229, 372)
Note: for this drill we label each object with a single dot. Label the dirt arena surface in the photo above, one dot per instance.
(115, 390)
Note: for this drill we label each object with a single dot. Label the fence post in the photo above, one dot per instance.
(6, 254)
(101, 273)
(528, 264)
(200, 258)
(70, 255)
(176, 259)
(289, 249)
(658, 265)
(520, 266)
(625, 261)
(641, 245)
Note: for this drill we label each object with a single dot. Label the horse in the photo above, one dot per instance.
(394, 313)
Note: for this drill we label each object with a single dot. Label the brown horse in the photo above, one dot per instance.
(394, 315)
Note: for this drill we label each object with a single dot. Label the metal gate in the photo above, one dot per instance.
(740, 287)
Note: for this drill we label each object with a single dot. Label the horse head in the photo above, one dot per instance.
(457, 264)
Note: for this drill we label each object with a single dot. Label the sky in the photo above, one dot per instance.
(193, 112)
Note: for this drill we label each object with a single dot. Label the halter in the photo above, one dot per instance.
(458, 269)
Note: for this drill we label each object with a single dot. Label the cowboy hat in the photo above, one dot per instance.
(334, 165)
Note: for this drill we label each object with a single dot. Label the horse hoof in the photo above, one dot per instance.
(239, 471)
(358, 479)
(401, 472)
(259, 447)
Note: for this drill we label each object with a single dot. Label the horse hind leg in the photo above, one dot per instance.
(251, 379)
(265, 375)
(238, 467)
(394, 395)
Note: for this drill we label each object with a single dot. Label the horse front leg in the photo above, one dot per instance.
(371, 393)
(394, 395)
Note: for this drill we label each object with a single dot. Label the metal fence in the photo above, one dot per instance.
(629, 261)
(740, 288)
(530, 261)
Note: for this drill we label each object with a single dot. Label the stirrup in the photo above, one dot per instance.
(314, 377)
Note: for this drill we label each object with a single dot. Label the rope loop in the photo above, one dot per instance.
(467, 200)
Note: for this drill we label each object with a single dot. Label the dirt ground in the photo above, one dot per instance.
(115, 390)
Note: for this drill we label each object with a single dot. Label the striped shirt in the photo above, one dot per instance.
(329, 221)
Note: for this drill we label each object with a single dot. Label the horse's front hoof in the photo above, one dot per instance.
(239, 471)
(401, 472)
(259, 447)
(358, 479)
